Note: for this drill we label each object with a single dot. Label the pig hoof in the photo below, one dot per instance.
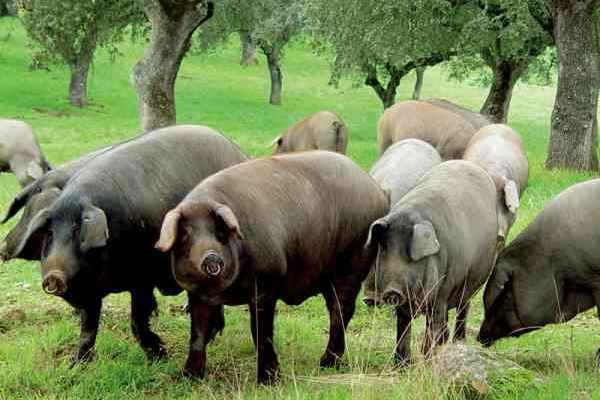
(269, 376)
(193, 370)
(401, 362)
(330, 361)
(157, 354)
(83, 358)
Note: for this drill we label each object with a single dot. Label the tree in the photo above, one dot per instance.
(173, 22)
(378, 43)
(70, 31)
(248, 44)
(8, 7)
(273, 24)
(508, 41)
(420, 72)
(573, 135)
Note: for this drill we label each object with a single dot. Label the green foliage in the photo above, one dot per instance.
(63, 30)
(272, 22)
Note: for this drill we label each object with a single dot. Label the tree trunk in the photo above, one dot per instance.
(273, 55)
(506, 75)
(3, 8)
(387, 94)
(248, 44)
(80, 68)
(418, 83)
(573, 125)
(173, 24)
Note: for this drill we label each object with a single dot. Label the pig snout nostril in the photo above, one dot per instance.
(54, 284)
(369, 301)
(393, 297)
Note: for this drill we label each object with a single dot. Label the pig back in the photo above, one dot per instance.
(139, 181)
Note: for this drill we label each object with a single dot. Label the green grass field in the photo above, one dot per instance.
(39, 333)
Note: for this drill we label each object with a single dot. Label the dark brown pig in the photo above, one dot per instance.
(398, 170)
(436, 247)
(445, 130)
(551, 271)
(498, 149)
(98, 236)
(321, 131)
(281, 228)
(32, 199)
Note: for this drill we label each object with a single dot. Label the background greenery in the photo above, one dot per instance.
(38, 333)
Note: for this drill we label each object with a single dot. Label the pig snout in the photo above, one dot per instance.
(55, 283)
(393, 297)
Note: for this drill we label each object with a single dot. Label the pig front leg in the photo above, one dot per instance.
(460, 326)
(206, 322)
(436, 331)
(403, 333)
(89, 322)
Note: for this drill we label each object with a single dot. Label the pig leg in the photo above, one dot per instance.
(207, 321)
(340, 298)
(436, 331)
(143, 305)
(262, 316)
(460, 326)
(403, 328)
(89, 322)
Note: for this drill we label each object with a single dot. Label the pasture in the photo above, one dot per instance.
(39, 333)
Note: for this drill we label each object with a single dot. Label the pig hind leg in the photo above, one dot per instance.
(262, 317)
(143, 305)
(340, 296)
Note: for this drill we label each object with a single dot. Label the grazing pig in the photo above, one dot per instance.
(282, 228)
(32, 199)
(445, 130)
(98, 236)
(436, 248)
(551, 271)
(476, 119)
(498, 149)
(399, 170)
(20, 152)
(321, 131)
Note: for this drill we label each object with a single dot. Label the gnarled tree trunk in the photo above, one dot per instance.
(248, 44)
(80, 68)
(497, 102)
(273, 54)
(573, 133)
(386, 94)
(418, 83)
(173, 23)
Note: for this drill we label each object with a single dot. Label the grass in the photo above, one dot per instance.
(39, 333)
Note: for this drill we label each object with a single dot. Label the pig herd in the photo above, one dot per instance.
(183, 208)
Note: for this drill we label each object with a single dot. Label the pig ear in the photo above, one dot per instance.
(94, 229)
(424, 241)
(226, 215)
(34, 171)
(511, 196)
(168, 231)
(276, 142)
(496, 284)
(38, 222)
(376, 231)
(20, 200)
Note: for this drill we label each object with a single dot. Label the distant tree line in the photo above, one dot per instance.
(372, 42)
